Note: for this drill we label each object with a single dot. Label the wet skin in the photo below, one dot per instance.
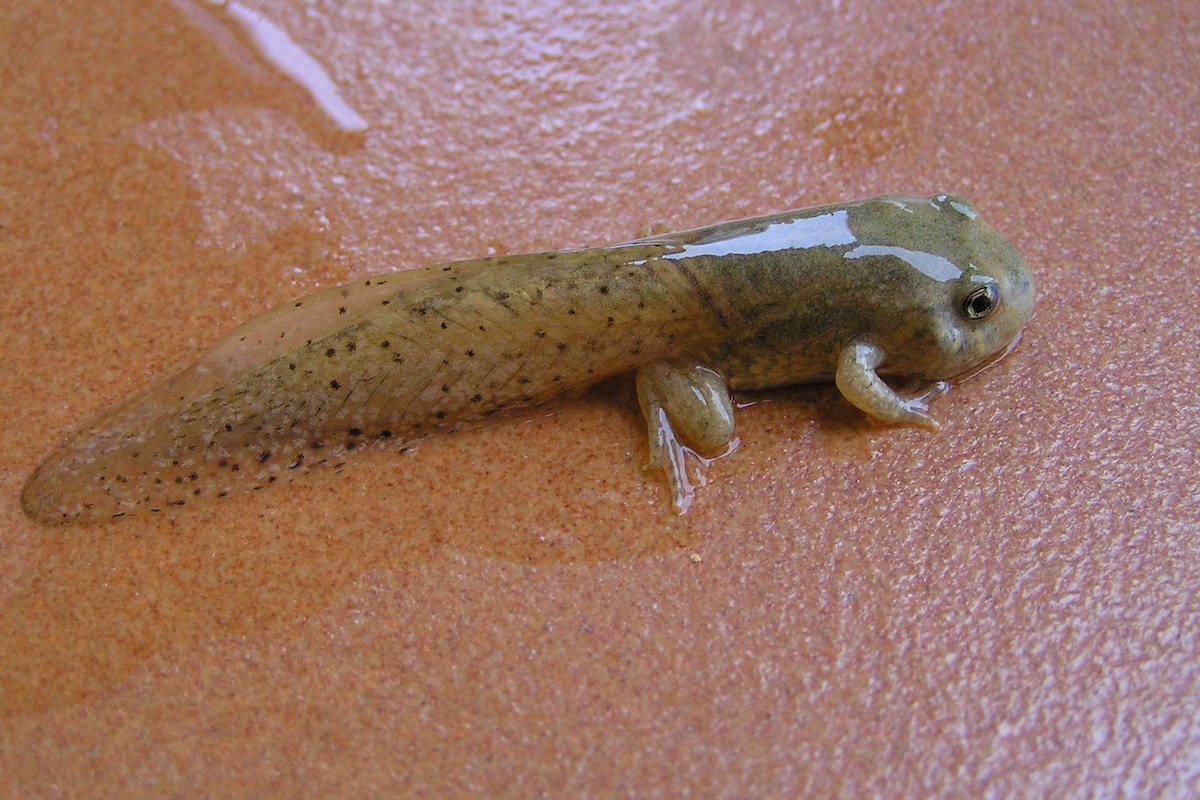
(918, 288)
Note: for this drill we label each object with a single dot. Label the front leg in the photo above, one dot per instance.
(861, 385)
(686, 406)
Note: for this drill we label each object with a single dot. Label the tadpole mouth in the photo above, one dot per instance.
(986, 363)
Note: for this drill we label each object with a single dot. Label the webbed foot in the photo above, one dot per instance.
(688, 413)
(861, 385)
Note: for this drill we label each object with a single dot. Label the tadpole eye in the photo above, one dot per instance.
(980, 302)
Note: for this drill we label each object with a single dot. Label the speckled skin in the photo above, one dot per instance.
(836, 292)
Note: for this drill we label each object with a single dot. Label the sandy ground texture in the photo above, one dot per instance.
(1008, 608)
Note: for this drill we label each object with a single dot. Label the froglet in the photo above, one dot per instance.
(917, 288)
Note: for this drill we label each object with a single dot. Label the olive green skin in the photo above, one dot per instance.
(834, 291)
(789, 312)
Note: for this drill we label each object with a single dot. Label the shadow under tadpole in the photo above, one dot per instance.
(105, 598)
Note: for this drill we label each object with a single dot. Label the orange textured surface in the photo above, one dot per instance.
(1010, 607)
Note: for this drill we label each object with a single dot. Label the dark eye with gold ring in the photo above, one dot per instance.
(981, 302)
